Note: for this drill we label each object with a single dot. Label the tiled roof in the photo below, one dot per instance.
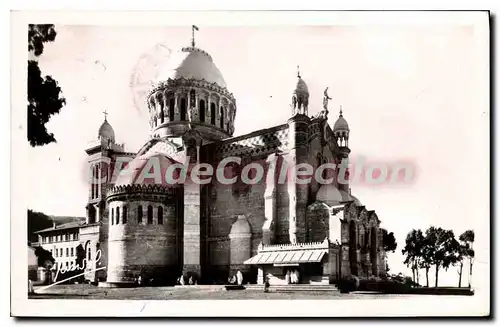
(75, 224)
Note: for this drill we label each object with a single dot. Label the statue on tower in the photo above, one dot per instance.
(325, 99)
(323, 114)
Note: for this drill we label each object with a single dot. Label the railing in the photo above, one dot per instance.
(294, 246)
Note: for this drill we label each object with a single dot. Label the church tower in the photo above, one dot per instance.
(298, 126)
(94, 234)
(341, 134)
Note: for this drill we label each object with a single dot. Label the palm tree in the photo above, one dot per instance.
(467, 238)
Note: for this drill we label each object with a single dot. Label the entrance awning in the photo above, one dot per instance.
(287, 257)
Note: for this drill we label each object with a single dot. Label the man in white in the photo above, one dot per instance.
(239, 277)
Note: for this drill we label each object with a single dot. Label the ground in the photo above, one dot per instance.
(84, 291)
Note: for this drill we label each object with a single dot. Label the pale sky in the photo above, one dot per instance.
(409, 93)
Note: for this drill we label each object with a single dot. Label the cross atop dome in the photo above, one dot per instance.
(105, 115)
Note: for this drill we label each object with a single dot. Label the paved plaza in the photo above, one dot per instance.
(84, 291)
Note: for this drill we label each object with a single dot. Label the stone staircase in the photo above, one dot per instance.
(295, 288)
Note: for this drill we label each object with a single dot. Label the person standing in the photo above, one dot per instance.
(239, 278)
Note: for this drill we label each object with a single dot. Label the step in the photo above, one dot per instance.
(295, 288)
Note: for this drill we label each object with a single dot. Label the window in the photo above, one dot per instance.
(112, 216)
(162, 115)
(202, 110)
(160, 215)
(171, 109)
(139, 214)
(72, 252)
(67, 252)
(117, 215)
(92, 185)
(183, 109)
(89, 252)
(60, 252)
(192, 98)
(222, 117)
(59, 238)
(124, 217)
(67, 264)
(150, 214)
(212, 113)
(64, 237)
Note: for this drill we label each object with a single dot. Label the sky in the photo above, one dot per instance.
(409, 93)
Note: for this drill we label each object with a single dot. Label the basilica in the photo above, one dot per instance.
(160, 231)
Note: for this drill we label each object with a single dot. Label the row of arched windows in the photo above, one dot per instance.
(183, 111)
(116, 218)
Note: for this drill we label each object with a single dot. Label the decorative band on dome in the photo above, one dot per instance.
(141, 188)
(192, 82)
(194, 49)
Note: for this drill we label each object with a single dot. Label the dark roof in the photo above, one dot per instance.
(74, 224)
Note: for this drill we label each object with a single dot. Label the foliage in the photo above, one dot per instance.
(414, 244)
(43, 256)
(467, 239)
(44, 95)
(37, 221)
(38, 34)
(388, 241)
(445, 248)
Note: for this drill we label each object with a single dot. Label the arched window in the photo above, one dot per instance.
(89, 253)
(192, 98)
(160, 215)
(171, 108)
(183, 109)
(202, 110)
(112, 216)
(117, 215)
(212, 113)
(124, 218)
(150, 214)
(161, 104)
(139, 214)
(92, 183)
(222, 117)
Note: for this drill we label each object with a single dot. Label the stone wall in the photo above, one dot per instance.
(146, 247)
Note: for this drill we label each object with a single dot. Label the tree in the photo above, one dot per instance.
(444, 248)
(388, 241)
(43, 256)
(461, 254)
(413, 252)
(44, 95)
(427, 254)
(467, 238)
(37, 221)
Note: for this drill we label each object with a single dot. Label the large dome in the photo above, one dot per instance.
(191, 63)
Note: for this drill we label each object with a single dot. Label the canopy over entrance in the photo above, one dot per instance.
(289, 254)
